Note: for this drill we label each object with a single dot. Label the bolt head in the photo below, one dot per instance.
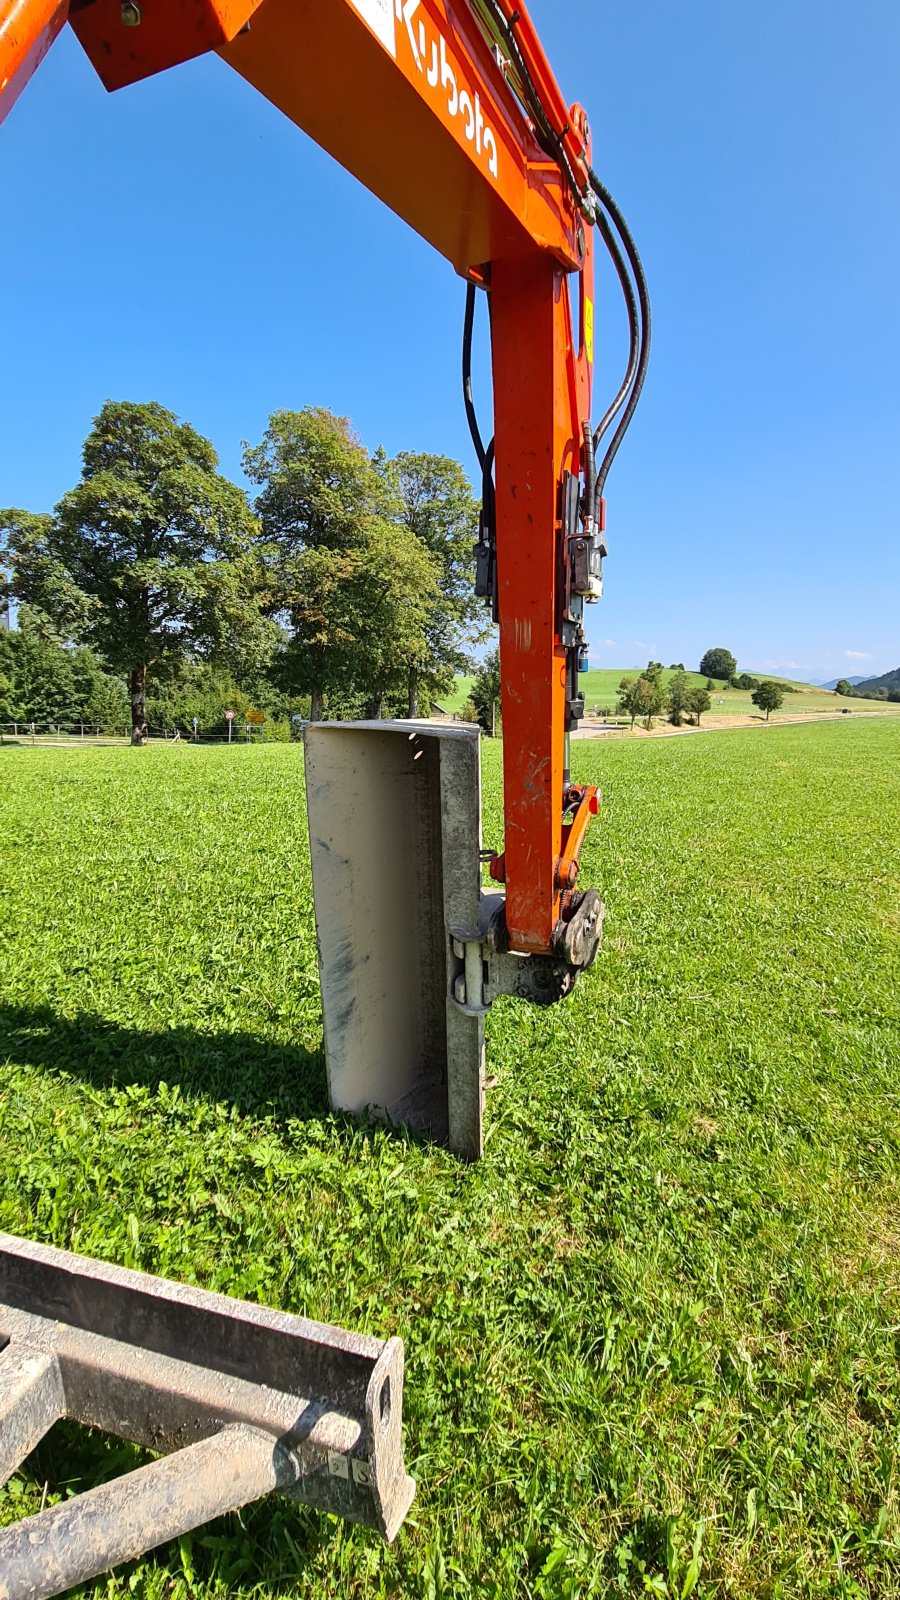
(130, 13)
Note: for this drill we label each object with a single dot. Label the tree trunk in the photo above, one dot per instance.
(413, 700)
(376, 707)
(138, 693)
(316, 706)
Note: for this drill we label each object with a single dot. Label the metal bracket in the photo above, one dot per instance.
(486, 968)
(239, 1399)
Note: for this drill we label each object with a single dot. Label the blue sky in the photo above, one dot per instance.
(181, 241)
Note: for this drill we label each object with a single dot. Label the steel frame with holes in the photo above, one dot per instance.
(240, 1400)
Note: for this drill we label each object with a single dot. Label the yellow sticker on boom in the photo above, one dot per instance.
(589, 328)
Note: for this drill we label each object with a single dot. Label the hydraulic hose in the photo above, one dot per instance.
(631, 251)
(468, 399)
(609, 239)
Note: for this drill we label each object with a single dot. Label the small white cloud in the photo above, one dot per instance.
(608, 644)
(858, 655)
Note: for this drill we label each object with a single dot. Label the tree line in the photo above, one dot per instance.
(647, 694)
(343, 585)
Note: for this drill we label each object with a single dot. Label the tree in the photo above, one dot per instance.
(651, 697)
(643, 696)
(710, 683)
(42, 679)
(629, 698)
(718, 663)
(353, 584)
(697, 702)
(436, 504)
(152, 556)
(769, 696)
(38, 682)
(843, 687)
(485, 691)
(677, 695)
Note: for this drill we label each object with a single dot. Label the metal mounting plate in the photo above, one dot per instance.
(395, 831)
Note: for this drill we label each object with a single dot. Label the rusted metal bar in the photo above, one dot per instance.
(276, 1402)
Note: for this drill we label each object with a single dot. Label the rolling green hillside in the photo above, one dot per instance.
(601, 685)
(887, 680)
(600, 688)
(459, 694)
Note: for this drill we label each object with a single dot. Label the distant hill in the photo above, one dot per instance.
(888, 680)
(833, 682)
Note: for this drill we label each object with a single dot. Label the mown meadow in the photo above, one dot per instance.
(601, 685)
(652, 1339)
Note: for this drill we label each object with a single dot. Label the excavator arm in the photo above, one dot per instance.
(449, 111)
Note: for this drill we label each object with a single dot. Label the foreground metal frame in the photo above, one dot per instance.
(238, 1399)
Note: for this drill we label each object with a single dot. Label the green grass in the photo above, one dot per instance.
(661, 1317)
(601, 685)
(458, 695)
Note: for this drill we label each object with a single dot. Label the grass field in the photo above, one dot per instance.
(652, 1339)
(601, 685)
(459, 694)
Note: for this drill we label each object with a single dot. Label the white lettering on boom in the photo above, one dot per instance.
(431, 59)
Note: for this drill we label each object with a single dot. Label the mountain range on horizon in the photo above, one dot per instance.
(886, 680)
(832, 683)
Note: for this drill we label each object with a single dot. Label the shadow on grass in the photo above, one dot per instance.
(257, 1076)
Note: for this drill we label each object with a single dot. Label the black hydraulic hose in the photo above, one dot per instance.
(590, 499)
(631, 251)
(468, 400)
(549, 139)
(609, 239)
(487, 486)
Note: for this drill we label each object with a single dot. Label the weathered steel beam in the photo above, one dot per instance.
(31, 1400)
(172, 1367)
(81, 1538)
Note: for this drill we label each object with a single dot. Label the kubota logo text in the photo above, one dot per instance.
(430, 57)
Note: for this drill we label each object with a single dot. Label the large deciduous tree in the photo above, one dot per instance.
(769, 696)
(152, 556)
(436, 504)
(353, 583)
(718, 663)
